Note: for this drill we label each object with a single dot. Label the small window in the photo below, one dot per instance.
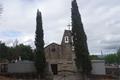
(53, 49)
(66, 39)
(72, 39)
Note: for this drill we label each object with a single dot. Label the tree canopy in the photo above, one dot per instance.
(3, 51)
(12, 53)
(113, 58)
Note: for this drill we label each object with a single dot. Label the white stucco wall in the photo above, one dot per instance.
(21, 67)
(98, 67)
(28, 66)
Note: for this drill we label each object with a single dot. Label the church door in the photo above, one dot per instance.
(54, 68)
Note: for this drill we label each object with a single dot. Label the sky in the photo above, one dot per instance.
(101, 20)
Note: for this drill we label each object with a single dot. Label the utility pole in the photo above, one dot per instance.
(1, 9)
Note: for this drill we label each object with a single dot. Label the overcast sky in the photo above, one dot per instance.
(101, 20)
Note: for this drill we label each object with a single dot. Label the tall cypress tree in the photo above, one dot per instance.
(82, 60)
(40, 60)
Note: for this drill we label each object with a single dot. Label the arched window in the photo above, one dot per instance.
(66, 39)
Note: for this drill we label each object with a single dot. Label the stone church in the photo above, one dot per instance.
(61, 56)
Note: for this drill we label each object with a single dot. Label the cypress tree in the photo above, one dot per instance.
(40, 61)
(82, 60)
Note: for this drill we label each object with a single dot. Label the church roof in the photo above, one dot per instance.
(52, 44)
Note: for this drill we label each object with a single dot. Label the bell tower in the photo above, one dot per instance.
(67, 51)
(66, 45)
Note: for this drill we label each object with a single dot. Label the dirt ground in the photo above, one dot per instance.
(6, 78)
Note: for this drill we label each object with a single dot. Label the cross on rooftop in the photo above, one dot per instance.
(69, 27)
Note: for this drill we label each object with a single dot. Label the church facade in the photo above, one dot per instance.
(61, 56)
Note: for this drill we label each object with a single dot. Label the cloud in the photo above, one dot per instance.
(10, 34)
(101, 22)
(100, 18)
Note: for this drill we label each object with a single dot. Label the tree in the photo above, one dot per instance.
(94, 57)
(82, 60)
(24, 51)
(40, 60)
(3, 51)
(10, 53)
(111, 58)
